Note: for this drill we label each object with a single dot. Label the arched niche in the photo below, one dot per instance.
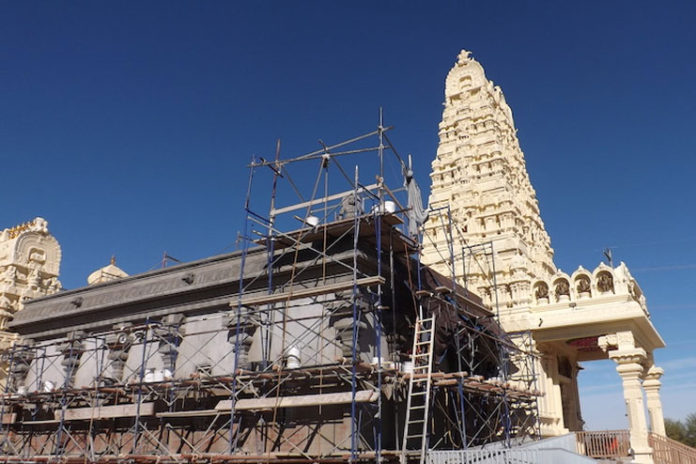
(582, 284)
(605, 282)
(561, 289)
(541, 292)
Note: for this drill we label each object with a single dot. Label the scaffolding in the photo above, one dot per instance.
(313, 359)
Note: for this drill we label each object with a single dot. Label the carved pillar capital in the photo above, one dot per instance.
(629, 361)
(653, 376)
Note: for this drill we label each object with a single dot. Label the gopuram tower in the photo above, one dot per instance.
(480, 173)
(485, 230)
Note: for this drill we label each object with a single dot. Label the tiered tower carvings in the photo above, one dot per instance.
(480, 173)
(29, 267)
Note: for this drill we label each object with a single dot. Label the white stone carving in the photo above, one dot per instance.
(479, 173)
(30, 262)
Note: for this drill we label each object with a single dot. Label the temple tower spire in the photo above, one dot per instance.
(480, 173)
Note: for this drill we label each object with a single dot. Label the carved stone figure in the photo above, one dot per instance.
(5, 303)
(39, 225)
(34, 280)
(542, 291)
(349, 207)
(582, 285)
(10, 275)
(562, 289)
(605, 282)
(52, 285)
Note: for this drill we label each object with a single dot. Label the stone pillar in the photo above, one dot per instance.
(19, 368)
(630, 369)
(651, 385)
(241, 336)
(170, 334)
(341, 320)
(72, 350)
(119, 342)
(551, 410)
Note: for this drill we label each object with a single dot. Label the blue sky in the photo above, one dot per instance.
(127, 125)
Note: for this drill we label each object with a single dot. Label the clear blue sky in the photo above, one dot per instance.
(127, 124)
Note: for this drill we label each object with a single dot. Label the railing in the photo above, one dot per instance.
(507, 456)
(604, 444)
(668, 451)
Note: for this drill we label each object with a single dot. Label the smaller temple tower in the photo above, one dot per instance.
(29, 268)
(106, 273)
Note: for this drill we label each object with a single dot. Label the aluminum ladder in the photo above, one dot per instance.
(419, 387)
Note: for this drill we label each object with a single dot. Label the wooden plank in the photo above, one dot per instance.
(362, 396)
(203, 412)
(107, 412)
(308, 292)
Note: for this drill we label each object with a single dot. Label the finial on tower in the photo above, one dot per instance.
(464, 56)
